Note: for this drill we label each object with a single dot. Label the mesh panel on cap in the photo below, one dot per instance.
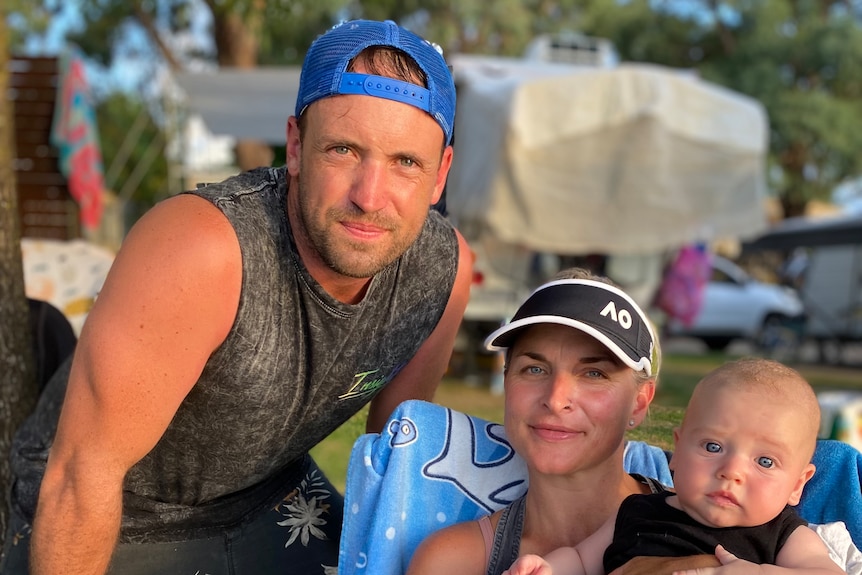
(331, 53)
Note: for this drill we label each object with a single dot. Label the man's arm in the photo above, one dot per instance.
(420, 377)
(665, 565)
(804, 552)
(168, 302)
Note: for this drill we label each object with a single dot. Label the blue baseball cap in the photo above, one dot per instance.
(324, 72)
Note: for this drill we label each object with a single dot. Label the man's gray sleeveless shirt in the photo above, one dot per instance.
(296, 364)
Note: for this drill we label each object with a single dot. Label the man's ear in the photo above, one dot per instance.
(442, 174)
(293, 148)
(796, 494)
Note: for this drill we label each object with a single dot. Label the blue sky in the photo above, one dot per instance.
(134, 59)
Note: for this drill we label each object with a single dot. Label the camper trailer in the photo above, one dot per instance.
(831, 281)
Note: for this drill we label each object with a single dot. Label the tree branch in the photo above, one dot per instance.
(146, 20)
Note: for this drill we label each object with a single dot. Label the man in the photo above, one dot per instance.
(243, 322)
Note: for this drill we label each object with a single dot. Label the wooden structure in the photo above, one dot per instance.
(46, 208)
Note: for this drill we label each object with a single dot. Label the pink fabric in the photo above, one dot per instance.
(75, 135)
(681, 293)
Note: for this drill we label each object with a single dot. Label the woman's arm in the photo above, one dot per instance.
(459, 548)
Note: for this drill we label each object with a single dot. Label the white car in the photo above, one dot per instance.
(735, 305)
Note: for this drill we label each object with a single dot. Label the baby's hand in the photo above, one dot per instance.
(730, 565)
(529, 565)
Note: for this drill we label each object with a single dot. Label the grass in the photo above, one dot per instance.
(678, 377)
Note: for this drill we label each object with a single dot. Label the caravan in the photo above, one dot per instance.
(831, 282)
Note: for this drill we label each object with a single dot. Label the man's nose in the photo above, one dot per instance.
(368, 191)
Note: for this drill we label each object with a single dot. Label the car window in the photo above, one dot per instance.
(720, 276)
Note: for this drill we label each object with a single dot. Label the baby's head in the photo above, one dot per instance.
(744, 448)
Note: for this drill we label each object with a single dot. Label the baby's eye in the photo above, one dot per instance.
(765, 462)
(712, 447)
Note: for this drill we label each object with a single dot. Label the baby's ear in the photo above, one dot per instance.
(796, 494)
(676, 432)
(670, 463)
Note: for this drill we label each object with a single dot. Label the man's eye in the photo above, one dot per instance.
(341, 150)
(712, 447)
(408, 162)
(765, 462)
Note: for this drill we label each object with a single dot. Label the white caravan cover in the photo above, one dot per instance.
(634, 159)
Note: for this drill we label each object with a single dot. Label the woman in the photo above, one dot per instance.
(581, 367)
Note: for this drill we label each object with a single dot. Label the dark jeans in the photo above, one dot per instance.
(300, 535)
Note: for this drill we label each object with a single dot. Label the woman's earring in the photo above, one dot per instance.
(631, 422)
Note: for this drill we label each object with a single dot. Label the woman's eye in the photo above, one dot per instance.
(535, 370)
(712, 447)
(594, 373)
(765, 462)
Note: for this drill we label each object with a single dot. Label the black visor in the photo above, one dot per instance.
(598, 309)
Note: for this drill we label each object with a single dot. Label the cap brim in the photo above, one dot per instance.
(504, 337)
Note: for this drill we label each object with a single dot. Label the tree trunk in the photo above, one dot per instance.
(252, 154)
(237, 46)
(18, 391)
(236, 28)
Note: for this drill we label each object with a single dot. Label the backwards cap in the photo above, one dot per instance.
(598, 309)
(324, 70)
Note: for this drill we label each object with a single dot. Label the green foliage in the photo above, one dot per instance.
(124, 148)
(291, 26)
(24, 18)
(104, 23)
(801, 59)
(282, 28)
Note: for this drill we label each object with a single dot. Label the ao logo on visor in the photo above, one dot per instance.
(622, 317)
